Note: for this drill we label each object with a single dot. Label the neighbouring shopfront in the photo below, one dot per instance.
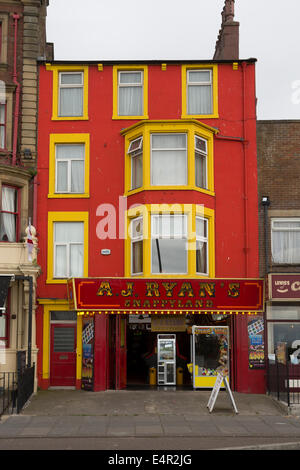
(155, 332)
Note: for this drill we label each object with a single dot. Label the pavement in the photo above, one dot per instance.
(159, 418)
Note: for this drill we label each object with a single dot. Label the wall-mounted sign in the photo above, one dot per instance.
(256, 346)
(284, 286)
(168, 324)
(105, 251)
(124, 295)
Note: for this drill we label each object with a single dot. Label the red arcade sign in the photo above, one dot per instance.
(124, 295)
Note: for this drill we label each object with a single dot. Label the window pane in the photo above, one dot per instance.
(201, 257)
(71, 102)
(8, 221)
(293, 224)
(199, 76)
(137, 257)
(76, 260)
(201, 227)
(136, 228)
(169, 256)
(69, 151)
(77, 176)
(136, 172)
(199, 99)
(62, 176)
(130, 101)
(63, 315)
(130, 77)
(200, 171)
(169, 226)
(169, 168)
(169, 141)
(3, 326)
(286, 247)
(66, 232)
(61, 268)
(71, 78)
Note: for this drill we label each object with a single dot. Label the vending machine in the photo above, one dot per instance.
(166, 359)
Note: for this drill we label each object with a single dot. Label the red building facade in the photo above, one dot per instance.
(147, 170)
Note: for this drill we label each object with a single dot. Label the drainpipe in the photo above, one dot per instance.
(30, 280)
(17, 102)
(265, 201)
(245, 143)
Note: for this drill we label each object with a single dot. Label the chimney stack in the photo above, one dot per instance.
(227, 45)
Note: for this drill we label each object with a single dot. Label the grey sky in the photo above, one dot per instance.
(178, 29)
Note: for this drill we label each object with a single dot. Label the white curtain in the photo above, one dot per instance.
(2, 126)
(68, 242)
(286, 247)
(8, 221)
(169, 160)
(199, 99)
(130, 101)
(70, 168)
(71, 97)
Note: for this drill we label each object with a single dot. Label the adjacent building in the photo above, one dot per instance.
(148, 222)
(279, 215)
(22, 44)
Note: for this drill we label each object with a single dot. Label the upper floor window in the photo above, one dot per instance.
(200, 91)
(200, 162)
(168, 159)
(169, 244)
(2, 125)
(130, 85)
(201, 245)
(67, 246)
(135, 151)
(68, 249)
(69, 165)
(70, 168)
(286, 241)
(137, 245)
(8, 213)
(70, 94)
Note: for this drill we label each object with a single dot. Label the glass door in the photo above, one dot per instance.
(166, 359)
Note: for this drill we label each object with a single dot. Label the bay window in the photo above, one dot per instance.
(201, 245)
(8, 213)
(168, 159)
(135, 151)
(285, 241)
(137, 245)
(169, 244)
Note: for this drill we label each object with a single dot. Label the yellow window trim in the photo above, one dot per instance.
(116, 69)
(191, 210)
(192, 128)
(214, 68)
(69, 139)
(56, 69)
(50, 305)
(66, 217)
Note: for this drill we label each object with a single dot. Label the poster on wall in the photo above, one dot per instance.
(256, 344)
(87, 373)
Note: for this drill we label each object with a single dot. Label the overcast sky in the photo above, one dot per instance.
(186, 29)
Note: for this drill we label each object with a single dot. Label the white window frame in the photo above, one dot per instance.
(70, 85)
(68, 252)
(205, 240)
(69, 171)
(134, 153)
(126, 85)
(283, 229)
(188, 84)
(201, 154)
(169, 149)
(135, 239)
(184, 236)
